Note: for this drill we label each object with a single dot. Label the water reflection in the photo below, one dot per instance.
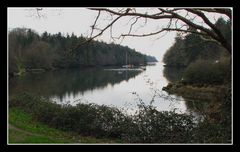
(62, 82)
(96, 85)
(196, 107)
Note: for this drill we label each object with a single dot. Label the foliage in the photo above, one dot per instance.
(29, 50)
(152, 126)
(213, 104)
(205, 83)
(24, 129)
(151, 59)
(173, 74)
(145, 126)
(208, 72)
(191, 47)
(148, 125)
(205, 62)
(216, 127)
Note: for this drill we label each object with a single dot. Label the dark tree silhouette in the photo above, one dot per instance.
(179, 19)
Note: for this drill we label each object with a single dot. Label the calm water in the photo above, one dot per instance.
(101, 86)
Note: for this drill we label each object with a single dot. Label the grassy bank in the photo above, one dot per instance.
(99, 121)
(33, 119)
(196, 92)
(203, 98)
(24, 129)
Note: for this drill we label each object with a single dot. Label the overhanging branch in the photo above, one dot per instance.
(213, 33)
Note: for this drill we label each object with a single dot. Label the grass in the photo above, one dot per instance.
(146, 126)
(24, 129)
(34, 119)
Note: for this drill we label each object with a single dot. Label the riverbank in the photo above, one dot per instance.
(33, 119)
(212, 103)
(114, 67)
(195, 92)
(104, 122)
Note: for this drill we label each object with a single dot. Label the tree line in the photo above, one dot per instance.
(29, 50)
(205, 61)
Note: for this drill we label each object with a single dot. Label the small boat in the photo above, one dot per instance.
(143, 68)
(128, 66)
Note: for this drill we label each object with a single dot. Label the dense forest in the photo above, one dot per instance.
(29, 50)
(187, 49)
(204, 61)
(151, 59)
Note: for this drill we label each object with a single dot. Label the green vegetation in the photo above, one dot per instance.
(23, 128)
(151, 59)
(204, 82)
(208, 72)
(204, 62)
(28, 50)
(173, 74)
(146, 126)
(213, 104)
(192, 47)
(195, 91)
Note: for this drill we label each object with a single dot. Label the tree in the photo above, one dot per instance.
(28, 50)
(39, 55)
(179, 19)
(191, 48)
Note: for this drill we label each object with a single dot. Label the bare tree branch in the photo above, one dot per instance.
(212, 33)
(217, 36)
(38, 9)
(94, 24)
(217, 10)
(132, 14)
(165, 29)
(206, 20)
(191, 24)
(142, 35)
(133, 24)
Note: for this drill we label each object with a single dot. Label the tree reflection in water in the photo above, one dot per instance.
(71, 81)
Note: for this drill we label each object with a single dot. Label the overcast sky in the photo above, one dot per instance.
(79, 20)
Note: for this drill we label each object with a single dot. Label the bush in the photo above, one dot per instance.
(162, 127)
(208, 72)
(148, 125)
(208, 132)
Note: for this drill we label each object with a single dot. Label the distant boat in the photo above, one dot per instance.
(151, 63)
(143, 68)
(127, 65)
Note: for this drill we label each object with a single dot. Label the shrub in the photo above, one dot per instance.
(148, 125)
(207, 72)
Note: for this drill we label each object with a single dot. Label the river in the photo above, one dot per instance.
(104, 86)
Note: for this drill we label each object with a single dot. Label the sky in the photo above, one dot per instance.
(79, 20)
